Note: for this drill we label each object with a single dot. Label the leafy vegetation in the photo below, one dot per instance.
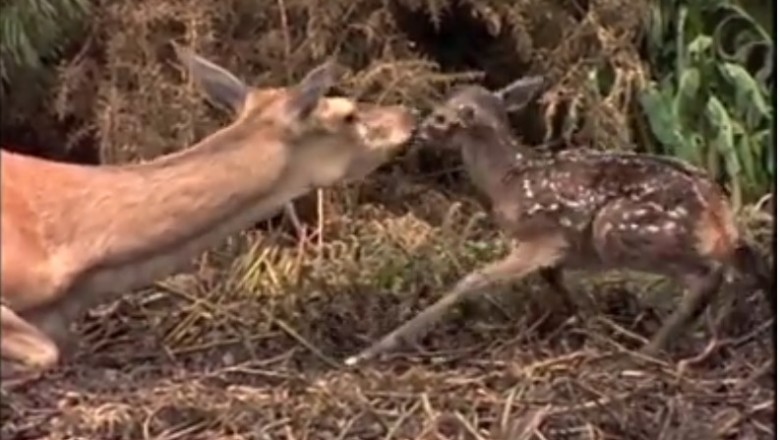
(713, 62)
(712, 104)
(31, 30)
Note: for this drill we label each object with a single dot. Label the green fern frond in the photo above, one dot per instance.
(32, 30)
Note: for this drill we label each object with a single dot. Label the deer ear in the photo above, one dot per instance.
(519, 93)
(307, 93)
(221, 87)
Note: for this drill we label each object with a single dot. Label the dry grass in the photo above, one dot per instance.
(254, 351)
(122, 93)
(249, 346)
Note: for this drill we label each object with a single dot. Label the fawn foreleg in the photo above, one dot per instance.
(525, 258)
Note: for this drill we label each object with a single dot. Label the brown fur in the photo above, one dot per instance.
(717, 231)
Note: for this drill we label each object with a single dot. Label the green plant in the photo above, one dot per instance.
(31, 30)
(712, 102)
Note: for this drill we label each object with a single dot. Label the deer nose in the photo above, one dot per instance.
(421, 134)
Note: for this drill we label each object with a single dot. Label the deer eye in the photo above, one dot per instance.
(439, 119)
(350, 118)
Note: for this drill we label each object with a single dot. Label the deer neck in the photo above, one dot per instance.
(131, 225)
(488, 157)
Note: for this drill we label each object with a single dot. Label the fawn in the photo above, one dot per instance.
(583, 209)
(74, 235)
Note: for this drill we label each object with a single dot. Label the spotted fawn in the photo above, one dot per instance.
(584, 209)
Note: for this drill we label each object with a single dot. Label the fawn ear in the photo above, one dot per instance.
(307, 93)
(221, 87)
(518, 94)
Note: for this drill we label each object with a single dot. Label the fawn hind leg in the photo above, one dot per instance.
(648, 236)
(553, 276)
(702, 286)
(26, 351)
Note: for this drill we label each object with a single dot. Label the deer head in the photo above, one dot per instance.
(329, 139)
(474, 111)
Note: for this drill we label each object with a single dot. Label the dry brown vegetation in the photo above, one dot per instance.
(249, 346)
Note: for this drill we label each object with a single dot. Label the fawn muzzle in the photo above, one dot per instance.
(437, 126)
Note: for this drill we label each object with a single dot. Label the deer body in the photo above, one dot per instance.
(106, 248)
(584, 209)
(75, 235)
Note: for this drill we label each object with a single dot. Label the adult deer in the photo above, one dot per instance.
(583, 209)
(73, 235)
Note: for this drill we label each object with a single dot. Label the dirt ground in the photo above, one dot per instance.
(242, 351)
(250, 345)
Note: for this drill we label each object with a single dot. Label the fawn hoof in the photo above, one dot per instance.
(369, 353)
(351, 361)
(360, 358)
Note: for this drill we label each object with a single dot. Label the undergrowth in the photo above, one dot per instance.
(621, 74)
(392, 244)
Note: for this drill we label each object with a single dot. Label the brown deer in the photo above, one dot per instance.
(74, 235)
(583, 209)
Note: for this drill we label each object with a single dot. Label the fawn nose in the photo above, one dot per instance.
(433, 123)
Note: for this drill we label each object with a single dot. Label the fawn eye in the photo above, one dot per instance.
(467, 113)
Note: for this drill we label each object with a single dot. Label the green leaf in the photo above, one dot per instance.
(748, 159)
(763, 147)
(736, 14)
(33, 29)
(771, 164)
(723, 139)
(655, 32)
(685, 103)
(750, 100)
(682, 53)
(699, 45)
(659, 111)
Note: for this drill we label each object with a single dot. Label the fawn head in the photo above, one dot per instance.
(329, 139)
(473, 111)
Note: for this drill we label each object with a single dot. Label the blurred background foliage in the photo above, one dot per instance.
(712, 101)
(35, 31)
(689, 78)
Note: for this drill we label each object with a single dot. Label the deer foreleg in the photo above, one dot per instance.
(26, 351)
(292, 215)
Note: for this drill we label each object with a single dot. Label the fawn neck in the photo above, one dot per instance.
(138, 223)
(488, 156)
